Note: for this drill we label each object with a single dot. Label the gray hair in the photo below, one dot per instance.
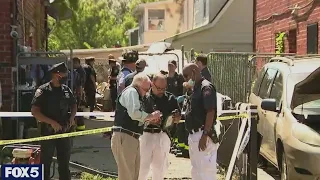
(139, 78)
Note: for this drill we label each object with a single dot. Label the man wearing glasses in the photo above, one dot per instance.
(155, 141)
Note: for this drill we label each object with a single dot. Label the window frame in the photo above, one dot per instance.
(163, 20)
(268, 94)
(310, 50)
(257, 84)
(282, 88)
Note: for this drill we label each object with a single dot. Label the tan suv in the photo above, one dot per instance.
(287, 93)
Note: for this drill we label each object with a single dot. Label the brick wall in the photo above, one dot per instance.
(267, 26)
(31, 21)
(5, 53)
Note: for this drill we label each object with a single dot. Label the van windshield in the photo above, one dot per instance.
(293, 79)
(311, 107)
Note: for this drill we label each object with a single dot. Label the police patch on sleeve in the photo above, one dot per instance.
(38, 93)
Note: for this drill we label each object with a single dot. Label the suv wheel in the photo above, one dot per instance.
(284, 167)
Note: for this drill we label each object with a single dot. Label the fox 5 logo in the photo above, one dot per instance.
(22, 172)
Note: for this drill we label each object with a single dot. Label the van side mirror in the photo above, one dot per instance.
(269, 105)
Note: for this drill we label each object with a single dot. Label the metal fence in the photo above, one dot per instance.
(233, 73)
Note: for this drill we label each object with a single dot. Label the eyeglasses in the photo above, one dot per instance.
(159, 88)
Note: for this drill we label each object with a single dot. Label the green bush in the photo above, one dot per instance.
(86, 176)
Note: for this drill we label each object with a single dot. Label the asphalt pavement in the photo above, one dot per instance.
(94, 151)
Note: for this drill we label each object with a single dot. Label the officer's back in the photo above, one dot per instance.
(129, 60)
(140, 65)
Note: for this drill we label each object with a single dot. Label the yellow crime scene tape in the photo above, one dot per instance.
(243, 115)
(57, 136)
(92, 131)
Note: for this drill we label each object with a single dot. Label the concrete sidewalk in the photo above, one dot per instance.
(95, 152)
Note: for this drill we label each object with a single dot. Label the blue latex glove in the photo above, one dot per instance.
(180, 99)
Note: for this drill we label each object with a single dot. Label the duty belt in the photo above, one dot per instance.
(152, 130)
(130, 133)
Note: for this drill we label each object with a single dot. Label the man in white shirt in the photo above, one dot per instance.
(128, 127)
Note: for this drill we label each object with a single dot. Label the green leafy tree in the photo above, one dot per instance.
(94, 24)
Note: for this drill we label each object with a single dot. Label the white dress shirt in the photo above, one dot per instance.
(130, 100)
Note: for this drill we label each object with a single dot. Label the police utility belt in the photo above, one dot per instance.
(212, 134)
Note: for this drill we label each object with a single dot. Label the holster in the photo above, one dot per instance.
(213, 136)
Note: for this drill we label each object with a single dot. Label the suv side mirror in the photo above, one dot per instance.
(269, 105)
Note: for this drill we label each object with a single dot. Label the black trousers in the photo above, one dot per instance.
(79, 119)
(182, 135)
(91, 98)
(113, 94)
(63, 147)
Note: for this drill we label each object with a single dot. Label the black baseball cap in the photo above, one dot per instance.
(173, 62)
(60, 67)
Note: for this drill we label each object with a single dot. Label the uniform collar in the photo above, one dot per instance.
(157, 97)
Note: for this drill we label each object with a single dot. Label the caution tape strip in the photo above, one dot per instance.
(92, 131)
(56, 136)
(243, 115)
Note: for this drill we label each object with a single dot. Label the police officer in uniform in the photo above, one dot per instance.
(202, 62)
(114, 72)
(140, 65)
(55, 107)
(155, 141)
(200, 118)
(174, 79)
(128, 126)
(79, 82)
(90, 84)
(129, 60)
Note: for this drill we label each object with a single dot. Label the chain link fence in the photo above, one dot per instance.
(233, 73)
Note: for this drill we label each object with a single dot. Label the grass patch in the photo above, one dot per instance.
(87, 176)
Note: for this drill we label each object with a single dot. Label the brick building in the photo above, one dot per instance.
(30, 18)
(297, 20)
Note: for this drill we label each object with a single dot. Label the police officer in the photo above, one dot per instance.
(129, 60)
(140, 65)
(202, 62)
(200, 117)
(55, 107)
(90, 84)
(80, 79)
(174, 79)
(114, 72)
(155, 141)
(128, 126)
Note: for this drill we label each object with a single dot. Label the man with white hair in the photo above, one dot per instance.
(128, 127)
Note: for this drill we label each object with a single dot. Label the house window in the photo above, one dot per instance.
(292, 41)
(312, 38)
(156, 19)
